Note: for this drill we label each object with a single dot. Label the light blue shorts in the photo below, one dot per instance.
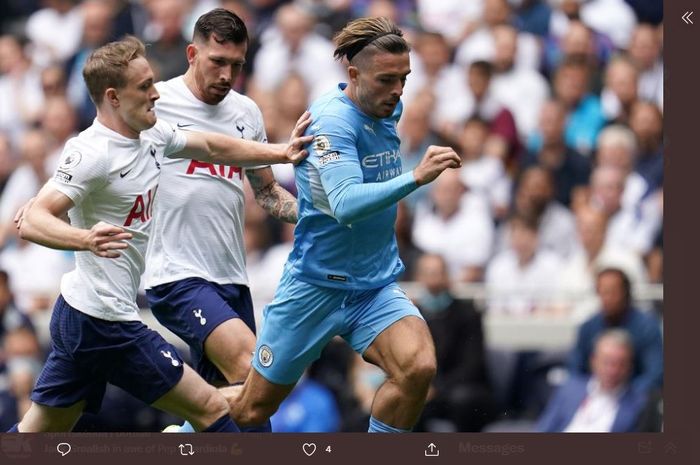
(303, 318)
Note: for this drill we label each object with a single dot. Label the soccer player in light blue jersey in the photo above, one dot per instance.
(340, 277)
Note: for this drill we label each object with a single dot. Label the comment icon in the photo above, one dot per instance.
(63, 448)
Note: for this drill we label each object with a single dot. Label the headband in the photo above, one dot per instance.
(364, 43)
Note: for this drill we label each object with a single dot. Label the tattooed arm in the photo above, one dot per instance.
(272, 197)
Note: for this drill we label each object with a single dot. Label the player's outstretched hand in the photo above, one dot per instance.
(105, 239)
(19, 216)
(295, 149)
(436, 160)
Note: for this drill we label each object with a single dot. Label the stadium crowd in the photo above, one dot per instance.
(556, 108)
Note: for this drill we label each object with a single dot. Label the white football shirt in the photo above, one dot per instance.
(199, 213)
(113, 179)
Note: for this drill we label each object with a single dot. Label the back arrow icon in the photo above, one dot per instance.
(686, 17)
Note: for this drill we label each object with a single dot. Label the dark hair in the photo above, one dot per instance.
(106, 66)
(380, 33)
(227, 26)
(626, 284)
(483, 67)
(4, 278)
(529, 222)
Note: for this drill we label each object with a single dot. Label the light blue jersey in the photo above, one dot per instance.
(347, 193)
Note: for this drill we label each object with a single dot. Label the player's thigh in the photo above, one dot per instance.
(43, 419)
(193, 399)
(391, 333)
(230, 348)
(297, 325)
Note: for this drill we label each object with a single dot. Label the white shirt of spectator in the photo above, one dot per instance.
(516, 290)
(597, 412)
(55, 36)
(113, 179)
(199, 212)
(464, 240)
(449, 17)
(481, 46)
(523, 91)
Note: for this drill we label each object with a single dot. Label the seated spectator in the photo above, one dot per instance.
(519, 279)
(456, 224)
(166, 52)
(604, 401)
(459, 398)
(7, 161)
(617, 148)
(620, 91)
(616, 311)
(584, 114)
(55, 31)
(631, 228)
(568, 167)
(577, 277)
(645, 52)
(483, 174)
(534, 198)
(523, 90)
(646, 122)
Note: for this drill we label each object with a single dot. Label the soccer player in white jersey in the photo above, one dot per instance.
(196, 279)
(106, 183)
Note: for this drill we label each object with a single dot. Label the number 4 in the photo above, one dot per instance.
(328, 449)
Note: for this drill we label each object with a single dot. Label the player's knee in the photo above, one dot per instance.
(420, 372)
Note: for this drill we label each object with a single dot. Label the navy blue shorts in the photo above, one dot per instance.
(87, 353)
(192, 308)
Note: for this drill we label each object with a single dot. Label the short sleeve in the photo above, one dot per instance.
(80, 172)
(173, 138)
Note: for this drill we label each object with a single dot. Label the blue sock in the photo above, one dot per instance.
(223, 425)
(186, 428)
(376, 426)
(264, 428)
(13, 429)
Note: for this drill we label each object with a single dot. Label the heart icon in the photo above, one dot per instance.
(309, 448)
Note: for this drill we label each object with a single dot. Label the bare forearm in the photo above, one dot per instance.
(228, 150)
(279, 203)
(43, 228)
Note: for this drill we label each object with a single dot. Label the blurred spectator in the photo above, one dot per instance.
(645, 53)
(55, 31)
(504, 141)
(432, 72)
(568, 167)
(613, 18)
(577, 277)
(631, 228)
(534, 199)
(59, 123)
(20, 89)
(646, 122)
(616, 311)
(617, 148)
(481, 44)
(483, 174)
(620, 91)
(459, 398)
(584, 113)
(408, 252)
(309, 408)
(97, 30)
(456, 19)
(53, 81)
(292, 46)
(456, 224)
(533, 16)
(25, 181)
(19, 348)
(164, 34)
(523, 90)
(7, 161)
(602, 402)
(519, 279)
